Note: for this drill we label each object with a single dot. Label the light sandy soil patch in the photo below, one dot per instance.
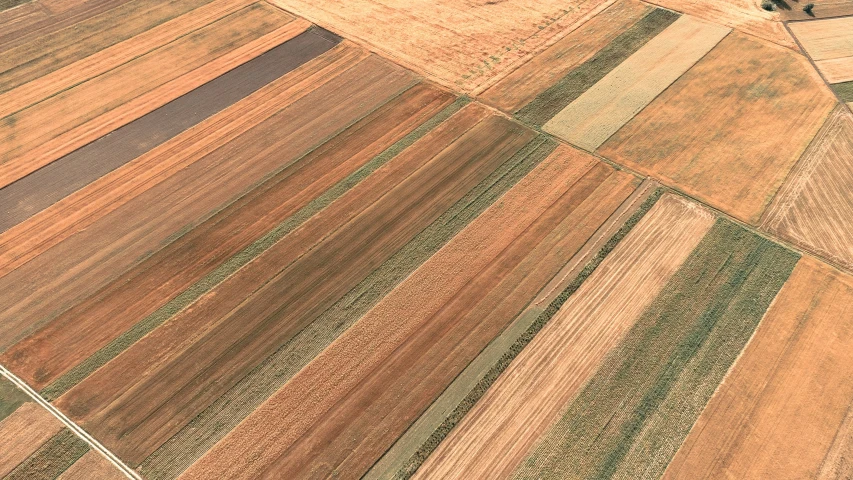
(465, 45)
(760, 107)
(499, 431)
(744, 15)
(830, 44)
(23, 432)
(615, 99)
(784, 402)
(814, 208)
(545, 69)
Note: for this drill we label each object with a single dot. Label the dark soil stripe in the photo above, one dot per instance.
(52, 458)
(11, 397)
(634, 413)
(844, 91)
(575, 83)
(44, 187)
(483, 385)
(107, 353)
(224, 414)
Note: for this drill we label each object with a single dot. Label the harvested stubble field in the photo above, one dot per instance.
(829, 42)
(234, 244)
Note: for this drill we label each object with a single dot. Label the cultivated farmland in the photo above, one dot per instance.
(391, 239)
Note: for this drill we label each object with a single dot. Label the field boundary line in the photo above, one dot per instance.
(93, 443)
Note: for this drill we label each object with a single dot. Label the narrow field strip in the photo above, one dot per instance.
(630, 418)
(547, 68)
(548, 365)
(361, 392)
(48, 53)
(42, 188)
(788, 389)
(80, 115)
(609, 104)
(550, 102)
(53, 82)
(409, 451)
(377, 218)
(52, 458)
(93, 257)
(38, 20)
(81, 209)
(227, 411)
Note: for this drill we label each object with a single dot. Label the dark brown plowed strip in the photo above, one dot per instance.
(575, 83)
(95, 322)
(844, 91)
(137, 424)
(52, 458)
(42, 188)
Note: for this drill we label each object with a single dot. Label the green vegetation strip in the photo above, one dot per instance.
(7, 4)
(584, 76)
(844, 91)
(52, 458)
(633, 415)
(483, 385)
(226, 412)
(11, 397)
(214, 278)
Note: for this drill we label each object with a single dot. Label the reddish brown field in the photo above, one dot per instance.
(545, 69)
(780, 413)
(23, 432)
(91, 324)
(92, 466)
(90, 258)
(814, 209)
(714, 133)
(348, 405)
(463, 45)
(222, 337)
(549, 372)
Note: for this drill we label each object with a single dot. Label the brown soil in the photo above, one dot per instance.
(775, 415)
(23, 432)
(727, 148)
(92, 466)
(348, 405)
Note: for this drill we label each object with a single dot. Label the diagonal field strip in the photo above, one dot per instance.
(612, 102)
(94, 444)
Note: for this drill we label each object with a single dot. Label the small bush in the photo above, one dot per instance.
(767, 5)
(808, 8)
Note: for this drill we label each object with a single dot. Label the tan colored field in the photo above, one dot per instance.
(830, 44)
(783, 405)
(744, 15)
(822, 9)
(715, 132)
(463, 45)
(814, 208)
(502, 427)
(23, 432)
(32, 137)
(547, 68)
(405, 325)
(92, 466)
(627, 89)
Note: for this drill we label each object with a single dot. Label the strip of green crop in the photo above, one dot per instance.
(214, 278)
(634, 413)
(7, 4)
(11, 397)
(584, 76)
(212, 424)
(541, 320)
(52, 458)
(844, 91)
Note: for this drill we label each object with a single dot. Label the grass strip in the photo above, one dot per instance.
(584, 76)
(226, 412)
(483, 385)
(11, 397)
(844, 91)
(214, 278)
(52, 458)
(7, 4)
(633, 415)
